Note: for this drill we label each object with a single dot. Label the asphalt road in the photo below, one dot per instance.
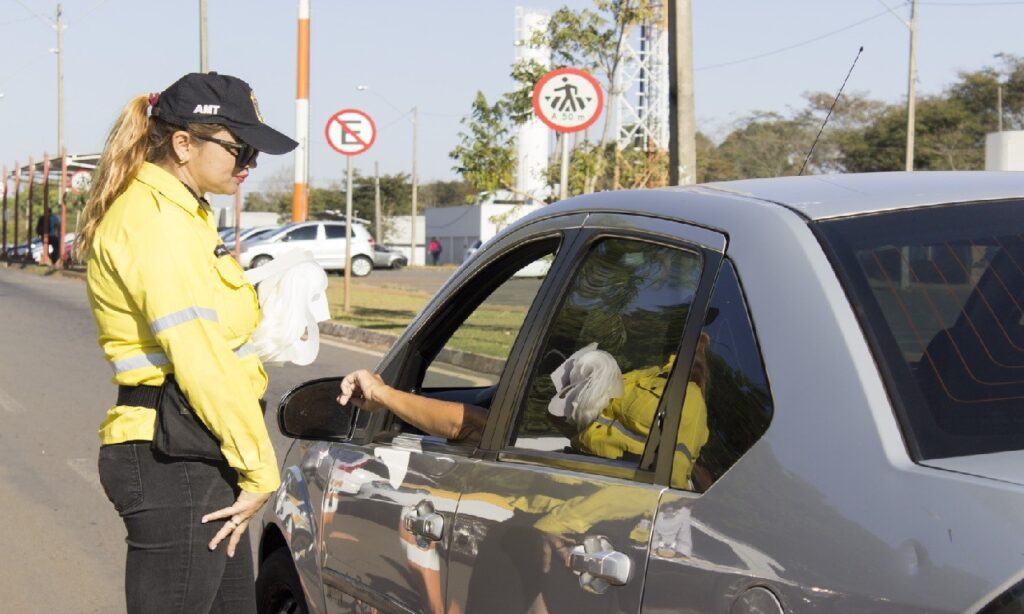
(61, 543)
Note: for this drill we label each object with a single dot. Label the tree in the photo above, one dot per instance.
(485, 155)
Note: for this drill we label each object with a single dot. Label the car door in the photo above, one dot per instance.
(393, 491)
(558, 513)
(306, 237)
(331, 254)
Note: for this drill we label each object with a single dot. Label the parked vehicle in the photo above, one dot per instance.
(35, 248)
(472, 249)
(324, 239)
(822, 410)
(385, 257)
(245, 234)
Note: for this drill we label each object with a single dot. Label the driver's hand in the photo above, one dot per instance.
(361, 389)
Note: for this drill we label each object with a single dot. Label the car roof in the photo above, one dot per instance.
(819, 197)
(813, 197)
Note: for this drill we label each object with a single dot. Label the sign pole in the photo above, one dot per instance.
(348, 232)
(4, 252)
(563, 192)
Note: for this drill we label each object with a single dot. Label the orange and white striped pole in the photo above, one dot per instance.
(44, 255)
(300, 197)
(63, 202)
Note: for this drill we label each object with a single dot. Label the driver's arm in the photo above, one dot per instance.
(453, 421)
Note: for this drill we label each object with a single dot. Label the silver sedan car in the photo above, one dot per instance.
(782, 395)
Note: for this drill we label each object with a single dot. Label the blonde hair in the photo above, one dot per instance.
(135, 138)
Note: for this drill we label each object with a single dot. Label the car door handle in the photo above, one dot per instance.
(600, 566)
(424, 522)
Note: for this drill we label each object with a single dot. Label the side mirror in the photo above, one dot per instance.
(285, 239)
(311, 411)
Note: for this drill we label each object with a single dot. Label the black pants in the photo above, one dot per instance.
(169, 566)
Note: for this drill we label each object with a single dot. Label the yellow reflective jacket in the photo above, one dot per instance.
(164, 302)
(624, 424)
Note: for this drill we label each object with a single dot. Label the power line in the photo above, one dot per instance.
(45, 20)
(795, 45)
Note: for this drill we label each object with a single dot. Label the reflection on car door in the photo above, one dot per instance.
(387, 514)
(559, 519)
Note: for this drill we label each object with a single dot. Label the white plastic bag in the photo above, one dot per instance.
(585, 383)
(292, 292)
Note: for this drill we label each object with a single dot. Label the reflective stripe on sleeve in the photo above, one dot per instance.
(621, 428)
(685, 451)
(246, 350)
(138, 362)
(180, 317)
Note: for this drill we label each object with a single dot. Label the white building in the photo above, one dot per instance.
(532, 137)
(457, 228)
(396, 236)
(1004, 151)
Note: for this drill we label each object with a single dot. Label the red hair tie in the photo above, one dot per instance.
(153, 99)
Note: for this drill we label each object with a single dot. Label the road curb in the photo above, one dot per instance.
(458, 358)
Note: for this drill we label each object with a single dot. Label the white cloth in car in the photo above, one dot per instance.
(585, 383)
(292, 292)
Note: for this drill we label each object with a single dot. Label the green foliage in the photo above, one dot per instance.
(485, 155)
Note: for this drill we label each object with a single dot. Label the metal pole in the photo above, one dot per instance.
(376, 202)
(238, 222)
(911, 77)
(348, 232)
(17, 199)
(563, 191)
(3, 251)
(999, 106)
(63, 203)
(44, 255)
(300, 195)
(28, 209)
(415, 180)
(204, 64)
(682, 151)
(60, 81)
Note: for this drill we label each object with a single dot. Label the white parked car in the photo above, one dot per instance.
(324, 239)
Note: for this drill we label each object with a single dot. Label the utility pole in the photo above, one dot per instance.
(682, 151)
(204, 64)
(911, 78)
(412, 221)
(60, 80)
(376, 202)
(300, 195)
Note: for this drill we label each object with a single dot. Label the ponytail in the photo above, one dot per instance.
(122, 157)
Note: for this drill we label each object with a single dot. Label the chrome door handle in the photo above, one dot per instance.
(423, 521)
(600, 566)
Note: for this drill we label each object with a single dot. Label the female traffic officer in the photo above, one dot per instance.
(169, 300)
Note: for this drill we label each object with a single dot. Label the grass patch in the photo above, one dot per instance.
(490, 330)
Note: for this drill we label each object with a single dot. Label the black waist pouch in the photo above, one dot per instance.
(179, 432)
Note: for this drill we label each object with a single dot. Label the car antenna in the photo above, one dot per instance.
(839, 93)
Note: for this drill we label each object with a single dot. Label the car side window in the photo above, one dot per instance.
(305, 233)
(336, 231)
(604, 365)
(737, 404)
(477, 349)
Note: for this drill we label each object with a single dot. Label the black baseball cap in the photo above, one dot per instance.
(210, 98)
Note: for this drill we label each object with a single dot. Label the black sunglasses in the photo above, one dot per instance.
(244, 154)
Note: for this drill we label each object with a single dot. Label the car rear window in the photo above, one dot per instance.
(940, 294)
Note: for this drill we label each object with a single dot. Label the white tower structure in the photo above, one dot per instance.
(532, 139)
(641, 108)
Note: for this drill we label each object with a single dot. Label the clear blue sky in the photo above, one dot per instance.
(437, 54)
